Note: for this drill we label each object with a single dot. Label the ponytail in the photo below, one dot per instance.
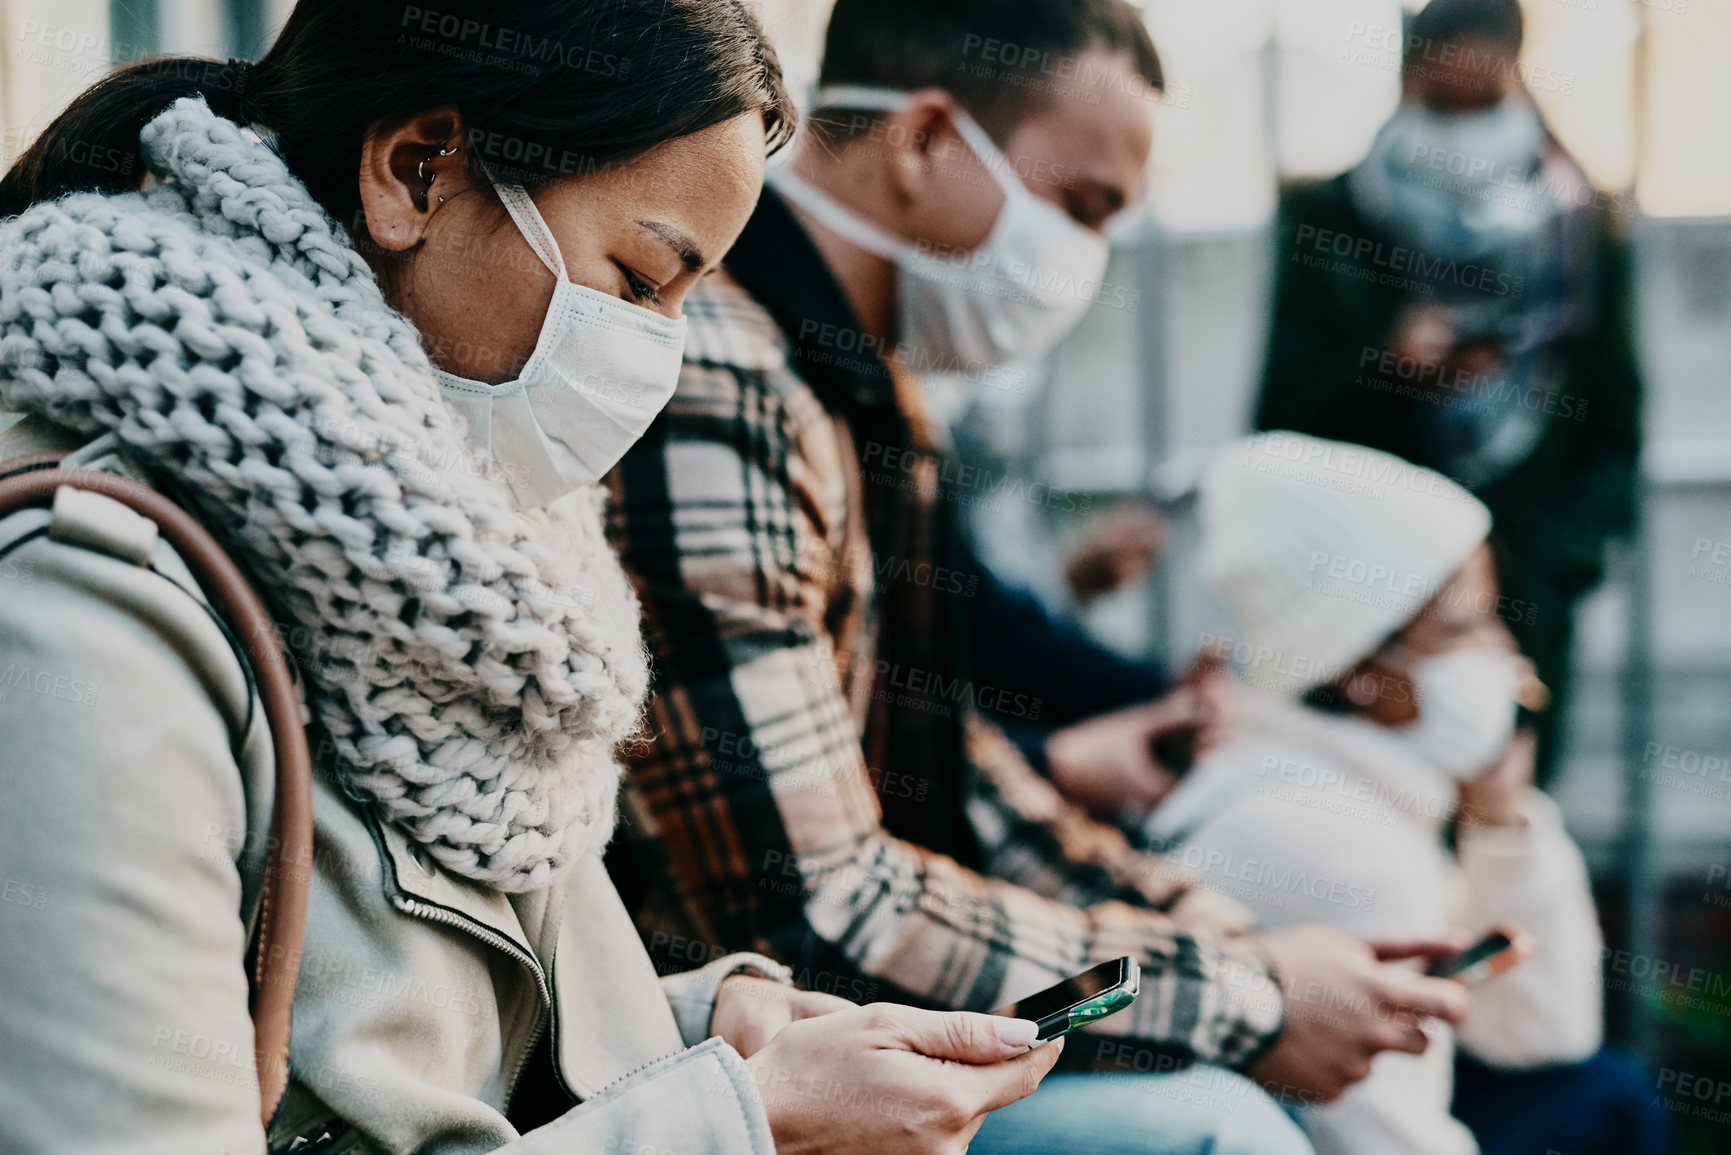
(93, 145)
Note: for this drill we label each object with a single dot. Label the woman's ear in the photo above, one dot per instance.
(408, 169)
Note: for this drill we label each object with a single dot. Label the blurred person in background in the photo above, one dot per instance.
(1025, 630)
(380, 310)
(1461, 299)
(1376, 782)
(818, 782)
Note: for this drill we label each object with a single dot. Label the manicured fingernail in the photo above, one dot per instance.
(1017, 1032)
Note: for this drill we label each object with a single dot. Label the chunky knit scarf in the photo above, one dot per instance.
(473, 667)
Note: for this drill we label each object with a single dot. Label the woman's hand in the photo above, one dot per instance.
(1494, 797)
(750, 1010)
(1344, 1007)
(893, 1080)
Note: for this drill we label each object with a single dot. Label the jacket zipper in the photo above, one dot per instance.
(446, 917)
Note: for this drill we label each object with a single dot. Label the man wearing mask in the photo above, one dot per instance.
(1460, 300)
(816, 780)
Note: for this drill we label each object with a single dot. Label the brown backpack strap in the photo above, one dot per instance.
(30, 481)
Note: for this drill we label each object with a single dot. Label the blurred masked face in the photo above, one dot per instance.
(1450, 682)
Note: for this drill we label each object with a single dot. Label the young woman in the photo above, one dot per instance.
(1377, 782)
(377, 310)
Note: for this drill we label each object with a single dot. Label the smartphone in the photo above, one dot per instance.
(1080, 1000)
(1493, 954)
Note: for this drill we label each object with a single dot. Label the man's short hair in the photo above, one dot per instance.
(1452, 21)
(1001, 59)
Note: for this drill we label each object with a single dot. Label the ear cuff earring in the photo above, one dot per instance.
(427, 178)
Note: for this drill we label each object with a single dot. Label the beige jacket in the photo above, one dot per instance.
(135, 773)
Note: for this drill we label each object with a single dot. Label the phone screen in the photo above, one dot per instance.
(1064, 995)
(1487, 947)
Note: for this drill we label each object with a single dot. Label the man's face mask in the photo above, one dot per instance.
(1456, 182)
(601, 370)
(1012, 298)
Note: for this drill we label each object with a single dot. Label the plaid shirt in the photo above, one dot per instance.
(803, 772)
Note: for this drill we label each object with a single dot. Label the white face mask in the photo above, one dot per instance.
(1012, 298)
(1467, 703)
(1457, 182)
(602, 369)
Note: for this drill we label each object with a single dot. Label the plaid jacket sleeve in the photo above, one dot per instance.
(734, 518)
(1032, 836)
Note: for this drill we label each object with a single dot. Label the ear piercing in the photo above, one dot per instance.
(428, 178)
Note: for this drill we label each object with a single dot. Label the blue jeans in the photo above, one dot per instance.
(1200, 1111)
(1604, 1106)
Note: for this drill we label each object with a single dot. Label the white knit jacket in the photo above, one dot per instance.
(473, 667)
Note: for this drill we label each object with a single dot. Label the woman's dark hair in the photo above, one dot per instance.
(547, 88)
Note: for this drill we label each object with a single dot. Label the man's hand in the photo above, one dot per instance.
(750, 1010)
(1107, 764)
(1344, 1007)
(888, 1078)
(1120, 547)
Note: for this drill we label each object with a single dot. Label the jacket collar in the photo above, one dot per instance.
(777, 263)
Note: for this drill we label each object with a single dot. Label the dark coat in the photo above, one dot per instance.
(1342, 284)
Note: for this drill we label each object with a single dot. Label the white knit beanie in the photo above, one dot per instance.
(1324, 549)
